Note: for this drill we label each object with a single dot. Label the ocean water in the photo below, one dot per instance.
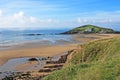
(10, 38)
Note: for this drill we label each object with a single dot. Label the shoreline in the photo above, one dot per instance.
(48, 50)
(44, 51)
(37, 43)
(34, 41)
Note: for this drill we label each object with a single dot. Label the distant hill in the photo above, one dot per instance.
(89, 29)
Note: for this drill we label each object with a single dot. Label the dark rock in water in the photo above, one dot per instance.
(32, 59)
(32, 34)
(44, 58)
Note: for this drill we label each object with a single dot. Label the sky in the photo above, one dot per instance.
(58, 14)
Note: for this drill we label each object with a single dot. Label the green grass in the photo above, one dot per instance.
(98, 60)
(96, 29)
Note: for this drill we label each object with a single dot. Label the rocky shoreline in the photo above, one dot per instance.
(50, 66)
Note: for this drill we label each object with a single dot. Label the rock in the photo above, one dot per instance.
(45, 70)
(32, 59)
(32, 34)
(53, 66)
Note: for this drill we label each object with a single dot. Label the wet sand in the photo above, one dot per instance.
(43, 51)
(34, 52)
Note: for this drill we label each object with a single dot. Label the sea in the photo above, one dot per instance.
(10, 38)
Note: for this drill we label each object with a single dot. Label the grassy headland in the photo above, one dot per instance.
(89, 29)
(97, 60)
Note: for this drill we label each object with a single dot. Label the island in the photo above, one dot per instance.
(85, 29)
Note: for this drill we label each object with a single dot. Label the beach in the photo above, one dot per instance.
(16, 58)
(34, 52)
(49, 50)
(59, 39)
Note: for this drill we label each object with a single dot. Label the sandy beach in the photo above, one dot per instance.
(42, 51)
(34, 52)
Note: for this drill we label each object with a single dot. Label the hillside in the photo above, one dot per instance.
(98, 60)
(89, 29)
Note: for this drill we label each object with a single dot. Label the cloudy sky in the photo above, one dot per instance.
(58, 14)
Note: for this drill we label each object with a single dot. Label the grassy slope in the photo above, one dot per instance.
(99, 60)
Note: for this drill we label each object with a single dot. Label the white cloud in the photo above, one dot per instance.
(82, 20)
(22, 21)
(100, 17)
(1, 12)
(49, 20)
(79, 20)
(19, 14)
(33, 19)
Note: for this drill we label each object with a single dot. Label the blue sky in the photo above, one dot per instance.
(57, 14)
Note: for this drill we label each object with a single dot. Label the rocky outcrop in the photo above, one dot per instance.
(49, 67)
(54, 65)
(62, 59)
